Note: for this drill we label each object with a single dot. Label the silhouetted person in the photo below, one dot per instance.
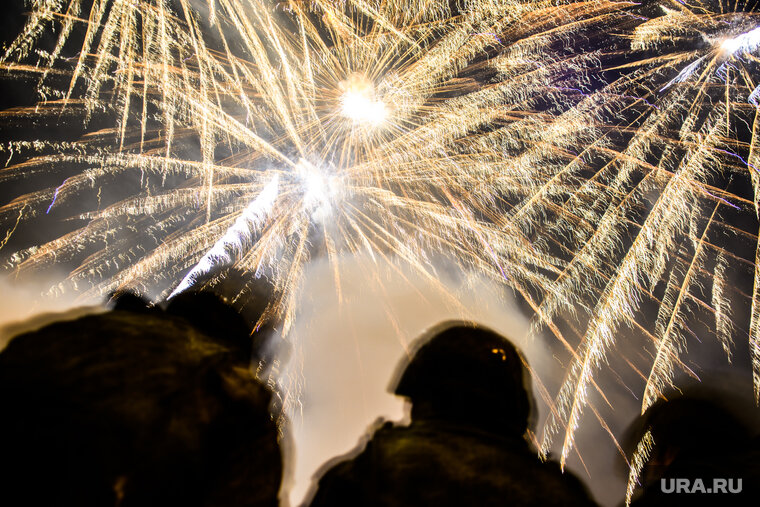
(133, 408)
(699, 437)
(466, 442)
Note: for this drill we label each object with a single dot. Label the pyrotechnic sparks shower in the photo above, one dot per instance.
(585, 153)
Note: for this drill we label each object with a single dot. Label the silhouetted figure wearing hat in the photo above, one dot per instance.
(135, 408)
(466, 442)
(704, 450)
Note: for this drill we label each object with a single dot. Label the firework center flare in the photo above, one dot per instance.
(359, 103)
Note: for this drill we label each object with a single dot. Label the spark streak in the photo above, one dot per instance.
(236, 239)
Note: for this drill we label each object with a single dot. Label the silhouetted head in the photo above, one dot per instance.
(127, 408)
(249, 294)
(129, 301)
(469, 374)
(216, 318)
(235, 306)
(698, 431)
(683, 425)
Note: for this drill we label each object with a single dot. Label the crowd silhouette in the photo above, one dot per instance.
(138, 406)
(165, 405)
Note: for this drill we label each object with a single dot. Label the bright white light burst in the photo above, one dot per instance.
(359, 104)
(318, 190)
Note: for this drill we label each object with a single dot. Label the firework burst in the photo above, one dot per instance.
(389, 132)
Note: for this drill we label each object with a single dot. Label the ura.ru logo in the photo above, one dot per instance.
(699, 486)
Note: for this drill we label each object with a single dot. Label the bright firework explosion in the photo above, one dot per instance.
(384, 127)
(262, 134)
